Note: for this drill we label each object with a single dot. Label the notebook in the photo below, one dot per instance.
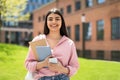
(41, 42)
(43, 52)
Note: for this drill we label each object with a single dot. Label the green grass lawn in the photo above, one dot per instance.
(12, 66)
(12, 62)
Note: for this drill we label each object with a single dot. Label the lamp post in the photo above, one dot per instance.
(83, 34)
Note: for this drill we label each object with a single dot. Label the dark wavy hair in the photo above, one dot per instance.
(63, 30)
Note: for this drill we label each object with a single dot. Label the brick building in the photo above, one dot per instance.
(101, 30)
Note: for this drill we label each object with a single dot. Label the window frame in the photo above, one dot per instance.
(101, 2)
(77, 7)
(77, 33)
(97, 30)
(89, 3)
(69, 9)
(117, 29)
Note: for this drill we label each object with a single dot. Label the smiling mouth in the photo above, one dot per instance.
(54, 26)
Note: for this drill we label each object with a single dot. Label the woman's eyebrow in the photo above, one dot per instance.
(50, 17)
(57, 17)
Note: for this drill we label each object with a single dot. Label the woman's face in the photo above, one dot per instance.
(54, 22)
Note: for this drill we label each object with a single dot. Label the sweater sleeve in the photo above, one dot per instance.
(30, 61)
(73, 61)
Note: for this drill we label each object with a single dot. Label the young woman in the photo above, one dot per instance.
(62, 47)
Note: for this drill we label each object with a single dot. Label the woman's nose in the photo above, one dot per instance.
(54, 21)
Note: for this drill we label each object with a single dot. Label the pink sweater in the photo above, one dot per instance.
(64, 51)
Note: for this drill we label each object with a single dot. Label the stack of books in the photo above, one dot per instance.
(40, 49)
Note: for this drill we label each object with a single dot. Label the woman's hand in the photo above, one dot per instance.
(43, 63)
(57, 67)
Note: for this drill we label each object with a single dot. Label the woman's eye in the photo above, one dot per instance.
(50, 19)
(57, 19)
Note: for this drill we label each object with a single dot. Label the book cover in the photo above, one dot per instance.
(43, 52)
(33, 44)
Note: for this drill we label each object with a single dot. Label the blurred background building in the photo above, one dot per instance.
(97, 36)
(21, 32)
(94, 26)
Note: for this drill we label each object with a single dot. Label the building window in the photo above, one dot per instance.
(100, 54)
(77, 5)
(100, 30)
(31, 1)
(43, 1)
(88, 31)
(87, 54)
(100, 1)
(35, 1)
(39, 1)
(27, 8)
(43, 17)
(69, 31)
(115, 55)
(12, 24)
(77, 32)
(69, 9)
(62, 11)
(48, 0)
(89, 3)
(34, 6)
(39, 19)
(30, 8)
(115, 34)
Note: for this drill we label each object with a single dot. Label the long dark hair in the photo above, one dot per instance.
(63, 30)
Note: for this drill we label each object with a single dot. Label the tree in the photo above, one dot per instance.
(12, 10)
(2, 10)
